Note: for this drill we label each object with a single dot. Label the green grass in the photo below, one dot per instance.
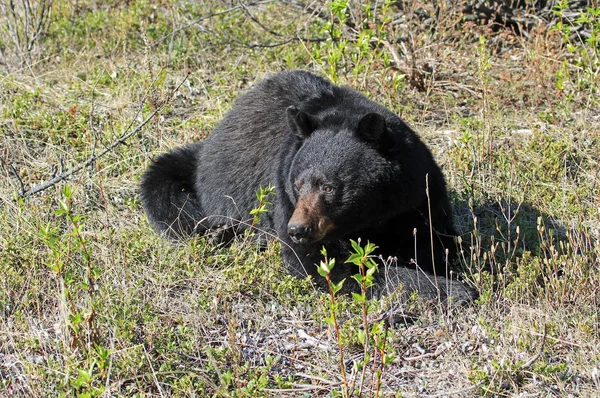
(94, 303)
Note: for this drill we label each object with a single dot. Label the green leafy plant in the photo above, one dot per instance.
(77, 291)
(365, 279)
(372, 337)
(585, 50)
(324, 268)
(262, 195)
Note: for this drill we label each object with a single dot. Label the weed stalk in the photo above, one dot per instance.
(324, 269)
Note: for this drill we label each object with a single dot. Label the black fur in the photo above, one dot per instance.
(343, 166)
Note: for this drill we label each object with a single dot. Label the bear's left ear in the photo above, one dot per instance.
(301, 123)
(372, 128)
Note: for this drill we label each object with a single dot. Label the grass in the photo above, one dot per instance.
(94, 303)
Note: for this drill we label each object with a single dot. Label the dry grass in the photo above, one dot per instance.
(93, 303)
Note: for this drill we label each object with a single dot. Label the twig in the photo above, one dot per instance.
(299, 388)
(570, 343)
(93, 157)
(215, 14)
(256, 21)
(284, 42)
(454, 393)
(91, 119)
(313, 11)
(536, 356)
(154, 378)
(311, 340)
(431, 237)
(21, 186)
(439, 351)
(244, 7)
(317, 378)
(277, 34)
(43, 22)
(33, 20)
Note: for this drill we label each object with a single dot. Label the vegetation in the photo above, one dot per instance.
(93, 303)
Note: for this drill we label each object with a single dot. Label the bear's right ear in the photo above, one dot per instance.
(301, 123)
(372, 127)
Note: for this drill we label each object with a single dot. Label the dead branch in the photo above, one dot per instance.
(120, 140)
(310, 9)
(245, 8)
(209, 16)
(26, 24)
(90, 160)
(530, 362)
(256, 21)
(16, 174)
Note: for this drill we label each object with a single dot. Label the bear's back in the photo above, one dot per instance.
(242, 153)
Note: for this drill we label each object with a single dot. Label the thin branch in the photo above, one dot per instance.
(256, 21)
(215, 14)
(9, 11)
(26, 22)
(21, 186)
(395, 57)
(90, 160)
(245, 8)
(43, 21)
(91, 119)
(284, 42)
(309, 9)
(530, 362)
(93, 158)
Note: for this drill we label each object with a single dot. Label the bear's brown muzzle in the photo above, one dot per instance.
(308, 223)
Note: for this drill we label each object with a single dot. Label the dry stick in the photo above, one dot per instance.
(239, 42)
(431, 235)
(309, 9)
(93, 158)
(16, 174)
(539, 353)
(256, 21)
(393, 52)
(234, 8)
(277, 34)
(13, 29)
(42, 22)
(454, 393)
(91, 121)
(33, 25)
(26, 19)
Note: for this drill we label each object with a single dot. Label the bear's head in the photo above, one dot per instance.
(342, 178)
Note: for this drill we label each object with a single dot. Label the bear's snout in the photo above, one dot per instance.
(299, 233)
(309, 223)
(303, 226)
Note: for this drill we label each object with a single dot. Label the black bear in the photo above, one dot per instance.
(344, 167)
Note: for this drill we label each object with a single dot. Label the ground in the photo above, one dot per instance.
(93, 302)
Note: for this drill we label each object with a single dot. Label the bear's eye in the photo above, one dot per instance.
(327, 188)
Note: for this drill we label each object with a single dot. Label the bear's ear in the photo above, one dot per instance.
(372, 128)
(301, 123)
